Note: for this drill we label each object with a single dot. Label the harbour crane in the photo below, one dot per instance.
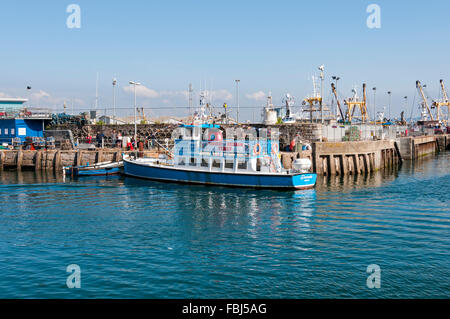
(424, 102)
(355, 102)
(313, 103)
(333, 88)
(442, 102)
(144, 119)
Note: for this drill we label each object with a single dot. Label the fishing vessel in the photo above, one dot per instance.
(201, 155)
(99, 169)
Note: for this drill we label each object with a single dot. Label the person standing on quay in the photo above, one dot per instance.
(119, 140)
(114, 138)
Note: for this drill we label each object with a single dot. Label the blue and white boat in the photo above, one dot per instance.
(203, 157)
(99, 169)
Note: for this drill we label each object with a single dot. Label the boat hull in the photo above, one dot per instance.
(247, 180)
(93, 172)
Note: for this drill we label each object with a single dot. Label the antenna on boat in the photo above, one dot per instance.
(190, 99)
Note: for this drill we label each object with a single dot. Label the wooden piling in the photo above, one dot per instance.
(2, 159)
(332, 169)
(100, 156)
(38, 161)
(58, 162)
(78, 158)
(19, 159)
(344, 164)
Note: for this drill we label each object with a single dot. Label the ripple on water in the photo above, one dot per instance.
(139, 239)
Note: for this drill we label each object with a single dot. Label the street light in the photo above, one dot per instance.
(336, 79)
(135, 124)
(389, 93)
(237, 99)
(374, 105)
(322, 77)
(406, 105)
(114, 83)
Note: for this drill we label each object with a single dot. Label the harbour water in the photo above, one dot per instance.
(142, 239)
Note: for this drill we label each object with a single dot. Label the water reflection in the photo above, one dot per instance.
(29, 177)
(215, 214)
(355, 182)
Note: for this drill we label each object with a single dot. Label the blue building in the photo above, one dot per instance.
(17, 122)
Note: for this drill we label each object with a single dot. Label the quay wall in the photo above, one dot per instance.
(57, 159)
(353, 158)
(412, 148)
(328, 158)
(320, 155)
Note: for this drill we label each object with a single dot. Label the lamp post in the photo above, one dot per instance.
(237, 99)
(406, 106)
(114, 83)
(135, 124)
(374, 105)
(389, 93)
(322, 77)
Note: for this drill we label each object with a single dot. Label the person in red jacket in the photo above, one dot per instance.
(292, 146)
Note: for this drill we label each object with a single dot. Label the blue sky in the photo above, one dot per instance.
(269, 45)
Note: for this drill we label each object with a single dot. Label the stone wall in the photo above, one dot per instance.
(307, 132)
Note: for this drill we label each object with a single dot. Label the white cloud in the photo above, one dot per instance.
(184, 94)
(4, 95)
(39, 95)
(142, 91)
(257, 96)
(221, 95)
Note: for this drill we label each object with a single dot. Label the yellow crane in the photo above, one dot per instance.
(144, 119)
(443, 102)
(315, 104)
(425, 102)
(354, 102)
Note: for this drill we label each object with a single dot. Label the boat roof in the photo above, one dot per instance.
(12, 100)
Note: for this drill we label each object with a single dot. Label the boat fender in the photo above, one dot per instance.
(257, 149)
(215, 137)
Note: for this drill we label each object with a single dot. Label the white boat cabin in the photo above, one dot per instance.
(204, 148)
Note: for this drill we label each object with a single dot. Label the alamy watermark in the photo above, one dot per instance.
(374, 19)
(74, 19)
(74, 279)
(374, 279)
